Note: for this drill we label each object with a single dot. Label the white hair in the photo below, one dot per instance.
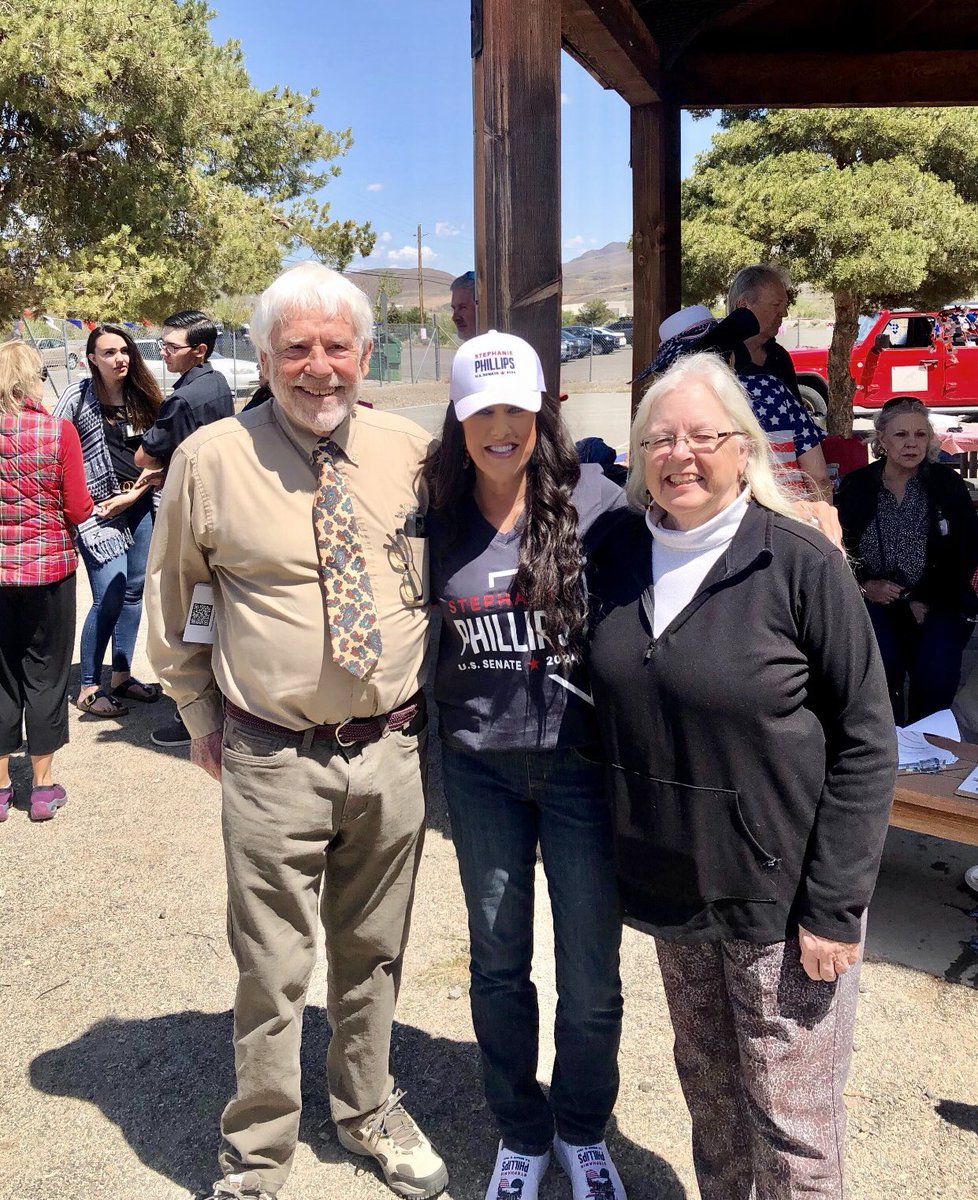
(713, 374)
(310, 287)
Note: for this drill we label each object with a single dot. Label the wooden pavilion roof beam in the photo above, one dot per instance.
(823, 80)
(611, 42)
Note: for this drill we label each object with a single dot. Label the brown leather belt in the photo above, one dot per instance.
(351, 732)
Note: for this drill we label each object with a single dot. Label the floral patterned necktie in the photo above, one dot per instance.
(350, 606)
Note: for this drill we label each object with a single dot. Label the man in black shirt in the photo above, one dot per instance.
(762, 289)
(199, 396)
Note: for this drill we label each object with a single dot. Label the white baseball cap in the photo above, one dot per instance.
(496, 368)
(680, 321)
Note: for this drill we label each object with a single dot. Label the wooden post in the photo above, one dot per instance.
(516, 92)
(656, 260)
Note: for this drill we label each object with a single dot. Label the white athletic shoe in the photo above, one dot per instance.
(590, 1170)
(517, 1176)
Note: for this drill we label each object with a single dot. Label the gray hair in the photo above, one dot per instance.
(310, 287)
(464, 282)
(749, 281)
(713, 374)
(897, 407)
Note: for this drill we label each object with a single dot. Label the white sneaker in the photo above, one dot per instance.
(517, 1176)
(590, 1170)
(971, 878)
(411, 1165)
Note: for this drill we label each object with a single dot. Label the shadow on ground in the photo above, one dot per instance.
(163, 1082)
(965, 1116)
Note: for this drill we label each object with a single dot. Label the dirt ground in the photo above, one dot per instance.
(116, 986)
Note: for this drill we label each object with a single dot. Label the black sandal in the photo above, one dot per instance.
(88, 705)
(133, 689)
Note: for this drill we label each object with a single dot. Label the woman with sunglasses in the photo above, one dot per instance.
(111, 411)
(42, 494)
(911, 530)
(511, 514)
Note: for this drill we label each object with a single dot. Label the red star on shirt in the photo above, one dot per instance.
(533, 664)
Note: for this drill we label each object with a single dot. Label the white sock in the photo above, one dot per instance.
(590, 1170)
(517, 1176)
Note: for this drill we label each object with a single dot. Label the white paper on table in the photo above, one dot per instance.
(913, 747)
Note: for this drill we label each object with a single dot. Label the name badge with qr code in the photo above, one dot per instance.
(200, 619)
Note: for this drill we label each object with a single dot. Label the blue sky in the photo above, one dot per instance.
(399, 74)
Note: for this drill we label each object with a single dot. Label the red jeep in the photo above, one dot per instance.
(904, 352)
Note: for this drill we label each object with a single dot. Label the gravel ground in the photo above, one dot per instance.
(116, 985)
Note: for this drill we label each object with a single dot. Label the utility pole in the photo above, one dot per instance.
(420, 279)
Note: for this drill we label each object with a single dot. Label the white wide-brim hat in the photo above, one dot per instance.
(496, 368)
(680, 321)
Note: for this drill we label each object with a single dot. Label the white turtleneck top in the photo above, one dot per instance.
(681, 559)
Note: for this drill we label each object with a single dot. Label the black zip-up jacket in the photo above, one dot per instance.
(952, 539)
(751, 746)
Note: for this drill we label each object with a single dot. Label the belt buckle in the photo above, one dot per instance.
(337, 731)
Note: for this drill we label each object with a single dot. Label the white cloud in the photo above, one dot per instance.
(409, 254)
(444, 229)
(574, 243)
(564, 98)
(375, 187)
(384, 237)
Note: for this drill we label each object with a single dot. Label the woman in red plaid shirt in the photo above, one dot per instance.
(42, 494)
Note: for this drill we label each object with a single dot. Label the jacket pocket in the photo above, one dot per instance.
(686, 844)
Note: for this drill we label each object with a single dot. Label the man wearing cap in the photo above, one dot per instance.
(288, 620)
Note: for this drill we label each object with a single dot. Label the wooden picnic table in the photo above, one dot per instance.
(928, 804)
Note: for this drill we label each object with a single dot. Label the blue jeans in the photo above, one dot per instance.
(501, 804)
(927, 656)
(117, 598)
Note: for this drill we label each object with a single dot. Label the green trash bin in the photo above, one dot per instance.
(385, 361)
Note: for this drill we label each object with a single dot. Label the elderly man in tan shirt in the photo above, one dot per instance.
(302, 524)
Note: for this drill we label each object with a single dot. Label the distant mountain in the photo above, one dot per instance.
(604, 273)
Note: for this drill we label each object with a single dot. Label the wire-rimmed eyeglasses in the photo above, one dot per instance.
(401, 559)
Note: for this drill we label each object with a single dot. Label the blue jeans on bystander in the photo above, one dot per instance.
(117, 598)
(501, 804)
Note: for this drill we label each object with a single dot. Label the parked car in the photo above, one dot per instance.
(615, 333)
(579, 346)
(236, 345)
(624, 326)
(242, 375)
(52, 351)
(899, 352)
(599, 341)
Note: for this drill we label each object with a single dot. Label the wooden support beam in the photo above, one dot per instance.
(516, 87)
(655, 229)
(612, 42)
(813, 80)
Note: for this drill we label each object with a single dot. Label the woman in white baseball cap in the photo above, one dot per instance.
(512, 514)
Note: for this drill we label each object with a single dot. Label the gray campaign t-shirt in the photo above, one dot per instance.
(501, 682)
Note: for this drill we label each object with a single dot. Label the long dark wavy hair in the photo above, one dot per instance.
(551, 564)
(141, 391)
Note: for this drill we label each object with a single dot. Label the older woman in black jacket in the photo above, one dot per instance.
(911, 530)
(743, 712)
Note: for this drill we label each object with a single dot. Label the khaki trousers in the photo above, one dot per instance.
(321, 828)
(762, 1054)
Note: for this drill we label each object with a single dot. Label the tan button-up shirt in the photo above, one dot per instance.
(236, 513)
